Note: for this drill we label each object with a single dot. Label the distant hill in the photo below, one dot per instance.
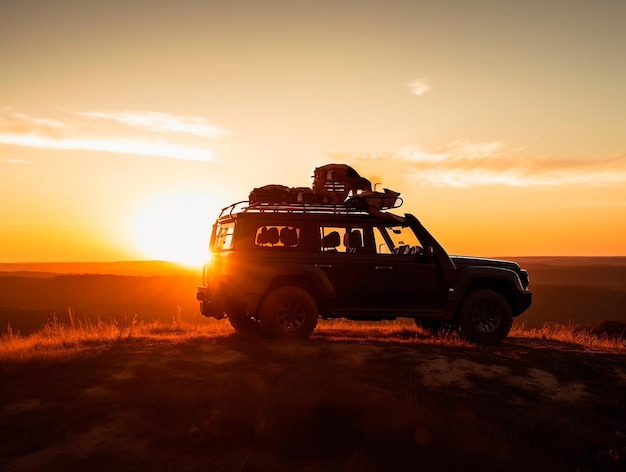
(542, 264)
(566, 290)
(138, 268)
(570, 260)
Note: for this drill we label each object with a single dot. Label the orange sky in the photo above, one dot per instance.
(125, 126)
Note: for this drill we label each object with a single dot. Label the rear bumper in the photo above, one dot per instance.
(209, 306)
(218, 302)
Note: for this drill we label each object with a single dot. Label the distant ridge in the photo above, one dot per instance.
(136, 268)
(571, 260)
(147, 268)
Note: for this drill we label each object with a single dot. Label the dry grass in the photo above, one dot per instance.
(583, 337)
(62, 338)
(404, 331)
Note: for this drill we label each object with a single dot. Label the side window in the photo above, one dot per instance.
(341, 239)
(224, 237)
(277, 236)
(384, 245)
(396, 240)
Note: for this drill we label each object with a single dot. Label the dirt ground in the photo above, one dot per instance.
(242, 403)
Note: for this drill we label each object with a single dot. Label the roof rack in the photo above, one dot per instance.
(309, 208)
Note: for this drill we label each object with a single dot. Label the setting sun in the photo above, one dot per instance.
(174, 227)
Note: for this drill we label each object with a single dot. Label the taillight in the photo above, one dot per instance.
(206, 268)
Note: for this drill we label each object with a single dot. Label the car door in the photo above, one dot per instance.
(402, 276)
(346, 267)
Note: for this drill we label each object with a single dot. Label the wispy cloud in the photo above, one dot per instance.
(419, 87)
(160, 122)
(119, 146)
(463, 164)
(143, 133)
(13, 123)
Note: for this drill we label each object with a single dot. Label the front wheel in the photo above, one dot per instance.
(288, 312)
(485, 317)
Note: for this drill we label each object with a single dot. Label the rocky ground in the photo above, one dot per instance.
(243, 403)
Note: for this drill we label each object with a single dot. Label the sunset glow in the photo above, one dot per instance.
(173, 227)
(123, 130)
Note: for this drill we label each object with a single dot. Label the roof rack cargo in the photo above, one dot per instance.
(333, 184)
(337, 189)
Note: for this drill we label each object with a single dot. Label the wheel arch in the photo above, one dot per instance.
(498, 285)
(301, 281)
(271, 276)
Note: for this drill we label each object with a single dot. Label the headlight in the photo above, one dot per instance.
(524, 278)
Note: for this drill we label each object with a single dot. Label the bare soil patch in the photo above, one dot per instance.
(240, 403)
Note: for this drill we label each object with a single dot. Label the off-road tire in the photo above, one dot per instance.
(485, 317)
(243, 323)
(288, 312)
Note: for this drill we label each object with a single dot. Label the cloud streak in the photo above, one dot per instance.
(119, 146)
(143, 134)
(463, 164)
(13, 123)
(160, 122)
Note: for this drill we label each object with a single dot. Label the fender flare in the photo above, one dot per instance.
(268, 275)
(485, 277)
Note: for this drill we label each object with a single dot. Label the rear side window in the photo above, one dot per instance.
(224, 237)
(347, 239)
(277, 236)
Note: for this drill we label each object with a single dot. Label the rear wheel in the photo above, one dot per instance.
(485, 317)
(242, 322)
(288, 312)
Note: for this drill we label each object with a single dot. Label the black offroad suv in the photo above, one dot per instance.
(281, 265)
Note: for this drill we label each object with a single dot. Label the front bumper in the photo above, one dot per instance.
(524, 300)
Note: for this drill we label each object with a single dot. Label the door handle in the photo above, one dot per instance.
(384, 267)
(324, 266)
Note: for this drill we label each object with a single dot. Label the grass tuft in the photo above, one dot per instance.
(584, 337)
(62, 338)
